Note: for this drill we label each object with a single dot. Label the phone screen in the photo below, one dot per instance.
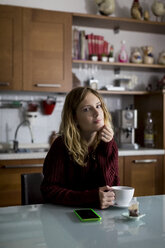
(87, 215)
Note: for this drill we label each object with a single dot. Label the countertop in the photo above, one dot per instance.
(52, 226)
(141, 151)
(42, 155)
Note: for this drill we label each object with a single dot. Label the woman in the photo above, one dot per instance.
(82, 163)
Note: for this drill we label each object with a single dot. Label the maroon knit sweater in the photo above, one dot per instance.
(66, 182)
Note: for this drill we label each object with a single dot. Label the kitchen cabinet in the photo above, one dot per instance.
(154, 103)
(139, 97)
(10, 48)
(121, 170)
(10, 178)
(143, 101)
(144, 173)
(46, 51)
(35, 48)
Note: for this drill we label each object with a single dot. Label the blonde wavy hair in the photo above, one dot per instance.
(76, 145)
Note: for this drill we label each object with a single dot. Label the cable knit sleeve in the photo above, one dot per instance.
(108, 159)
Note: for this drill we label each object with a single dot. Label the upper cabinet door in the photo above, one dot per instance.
(10, 48)
(47, 51)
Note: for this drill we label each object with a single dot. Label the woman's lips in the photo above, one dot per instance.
(97, 121)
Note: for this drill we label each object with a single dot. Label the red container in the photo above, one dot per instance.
(48, 107)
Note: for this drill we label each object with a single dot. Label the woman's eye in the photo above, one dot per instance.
(98, 106)
(86, 109)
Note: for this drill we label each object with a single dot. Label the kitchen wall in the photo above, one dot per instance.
(11, 116)
(44, 125)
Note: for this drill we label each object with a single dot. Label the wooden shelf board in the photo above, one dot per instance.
(128, 24)
(118, 64)
(126, 92)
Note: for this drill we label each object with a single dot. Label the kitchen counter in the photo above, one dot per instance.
(42, 155)
(141, 151)
(23, 155)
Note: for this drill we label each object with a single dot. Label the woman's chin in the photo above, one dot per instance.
(100, 126)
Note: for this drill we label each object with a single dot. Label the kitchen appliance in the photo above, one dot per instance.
(126, 125)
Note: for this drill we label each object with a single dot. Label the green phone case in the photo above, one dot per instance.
(91, 215)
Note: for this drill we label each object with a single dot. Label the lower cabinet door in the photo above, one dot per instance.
(121, 170)
(10, 180)
(145, 174)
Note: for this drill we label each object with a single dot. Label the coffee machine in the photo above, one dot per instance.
(126, 125)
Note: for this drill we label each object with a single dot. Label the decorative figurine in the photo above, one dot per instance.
(158, 9)
(123, 56)
(146, 15)
(136, 10)
(161, 59)
(136, 56)
(106, 7)
(148, 57)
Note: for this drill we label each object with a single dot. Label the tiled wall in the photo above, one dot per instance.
(42, 126)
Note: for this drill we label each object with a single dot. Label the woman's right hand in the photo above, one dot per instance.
(106, 133)
(106, 196)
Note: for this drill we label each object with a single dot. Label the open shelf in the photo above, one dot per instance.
(125, 92)
(133, 92)
(108, 22)
(119, 23)
(121, 65)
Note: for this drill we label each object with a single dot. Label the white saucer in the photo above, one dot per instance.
(120, 206)
(126, 215)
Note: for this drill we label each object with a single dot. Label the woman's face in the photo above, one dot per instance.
(89, 114)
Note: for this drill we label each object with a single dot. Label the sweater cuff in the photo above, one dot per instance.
(91, 197)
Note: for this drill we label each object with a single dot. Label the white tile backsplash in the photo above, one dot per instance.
(42, 126)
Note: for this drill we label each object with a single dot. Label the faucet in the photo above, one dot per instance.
(15, 141)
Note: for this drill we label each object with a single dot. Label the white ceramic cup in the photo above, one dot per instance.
(123, 195)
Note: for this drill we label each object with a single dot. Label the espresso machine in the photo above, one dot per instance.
(126, 125)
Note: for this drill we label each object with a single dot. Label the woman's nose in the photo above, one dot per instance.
(96, 112)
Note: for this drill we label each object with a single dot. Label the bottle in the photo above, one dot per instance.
(123, 56)
(148, 131)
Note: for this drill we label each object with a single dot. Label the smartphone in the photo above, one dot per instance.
(87, 214)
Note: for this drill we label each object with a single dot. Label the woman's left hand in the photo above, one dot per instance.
(106, 133)
(106, 197)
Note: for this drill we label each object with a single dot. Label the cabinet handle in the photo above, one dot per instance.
(48, 85)
(4, 83)
(146, 161)
(22, 166)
